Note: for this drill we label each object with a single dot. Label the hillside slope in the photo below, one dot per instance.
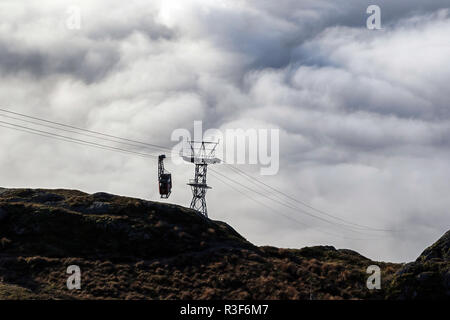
(134, 249)
(426, 278)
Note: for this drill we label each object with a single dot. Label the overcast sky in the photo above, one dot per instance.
(364, 115)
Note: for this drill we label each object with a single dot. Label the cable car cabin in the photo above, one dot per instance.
(164, 179)
(165, 185)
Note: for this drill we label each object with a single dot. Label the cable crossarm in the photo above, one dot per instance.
(255, 180)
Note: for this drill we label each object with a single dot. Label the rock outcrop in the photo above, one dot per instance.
(426, 278)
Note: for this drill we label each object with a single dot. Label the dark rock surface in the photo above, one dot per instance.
(134, 249)
(426, 278)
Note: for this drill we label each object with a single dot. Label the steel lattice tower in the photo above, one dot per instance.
(199, 188)
(201, 154)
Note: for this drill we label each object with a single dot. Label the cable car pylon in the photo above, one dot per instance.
(201, 153)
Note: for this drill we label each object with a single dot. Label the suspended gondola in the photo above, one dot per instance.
(164, 179)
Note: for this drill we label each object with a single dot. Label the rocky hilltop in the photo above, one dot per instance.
(426, 278)
(134, 249)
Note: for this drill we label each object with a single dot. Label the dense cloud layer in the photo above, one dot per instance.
(363, 114)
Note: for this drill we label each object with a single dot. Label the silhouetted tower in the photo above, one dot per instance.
(200, 153)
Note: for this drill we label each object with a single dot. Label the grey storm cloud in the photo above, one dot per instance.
(363, 114)
(89, 64)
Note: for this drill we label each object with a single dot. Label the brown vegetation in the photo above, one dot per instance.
(135, 249)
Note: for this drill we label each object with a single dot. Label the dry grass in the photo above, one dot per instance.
(133, 249)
